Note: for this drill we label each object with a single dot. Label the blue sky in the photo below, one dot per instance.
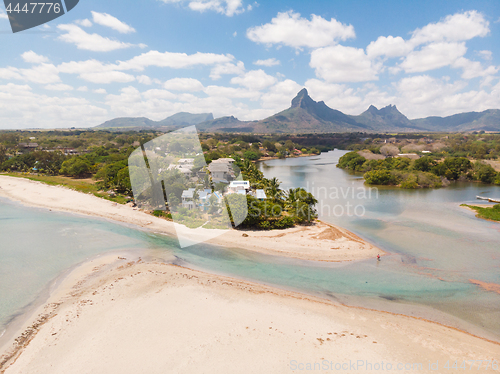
(154, 58)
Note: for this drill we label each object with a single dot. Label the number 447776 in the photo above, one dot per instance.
(34, 8)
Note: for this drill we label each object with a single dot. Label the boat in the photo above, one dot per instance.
(488, 199)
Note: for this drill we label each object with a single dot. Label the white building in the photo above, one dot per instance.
(220, 172)
(188, 198)
(237, 186)
(260, 195)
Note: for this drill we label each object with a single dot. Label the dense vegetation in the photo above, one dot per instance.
(424, 172)
(281, 209)
(99, 154)
(102, 156)
(479, 146)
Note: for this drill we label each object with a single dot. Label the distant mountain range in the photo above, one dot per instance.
(176, 121)
(308, 116)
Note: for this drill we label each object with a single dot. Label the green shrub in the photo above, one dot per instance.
(484, 172)
(351, 161)
(410, 182)
(161, 213)
(380, 177)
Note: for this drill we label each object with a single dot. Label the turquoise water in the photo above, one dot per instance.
(37, 245)
(434, 247)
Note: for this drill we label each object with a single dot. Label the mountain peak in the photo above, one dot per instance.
(302, 99)
(389, 109)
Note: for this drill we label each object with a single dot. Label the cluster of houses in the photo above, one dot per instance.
(221, 171)
(185, 166)
(23, 148)
(205, 198)
(202, 199)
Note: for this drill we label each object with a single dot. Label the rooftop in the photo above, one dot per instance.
(218, 167)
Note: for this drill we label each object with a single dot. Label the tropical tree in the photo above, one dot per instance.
(75, 167)
(272, 187)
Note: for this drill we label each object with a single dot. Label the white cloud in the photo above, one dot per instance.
(84, 22)
(422, 94)
(451, 31)
(144, 79)
(454, 28)
(433, 56)
(42, 73)
(231, 92)
(343, 64)
(21, 108)
(227, 69)
(100, 91)
(96, 72)
(90, 42)
(268, 62)
(173, 60)
(183, 84)
(10, 73)
(290, 29)
(486, 55)
(254, 80)
(227, 7)
(82, 89)
(279, 96)
(321, 90)
(33, 58)
(107, 77)
(59, 87)
(473, 69)
(108, 20)
(156, 94)
(3, 15)
(388, 46)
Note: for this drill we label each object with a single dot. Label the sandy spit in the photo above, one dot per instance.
(318, 242)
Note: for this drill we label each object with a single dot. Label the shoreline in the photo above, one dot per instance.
(318, 242)
(476, 213)
(101, 297)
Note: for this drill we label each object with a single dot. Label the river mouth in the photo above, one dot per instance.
(436, 250)
(437, 247)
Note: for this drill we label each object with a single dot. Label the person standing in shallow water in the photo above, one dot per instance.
(378, 257)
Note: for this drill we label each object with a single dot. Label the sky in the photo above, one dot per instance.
(155, 58)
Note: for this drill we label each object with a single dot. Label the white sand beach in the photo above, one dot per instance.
(319, 242)
(118, 315)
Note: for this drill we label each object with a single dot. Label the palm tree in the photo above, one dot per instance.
(273, 189)
(291, 197)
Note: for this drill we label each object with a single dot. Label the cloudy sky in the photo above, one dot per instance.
(154, 58)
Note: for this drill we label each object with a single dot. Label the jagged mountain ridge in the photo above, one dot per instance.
(308, 116)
